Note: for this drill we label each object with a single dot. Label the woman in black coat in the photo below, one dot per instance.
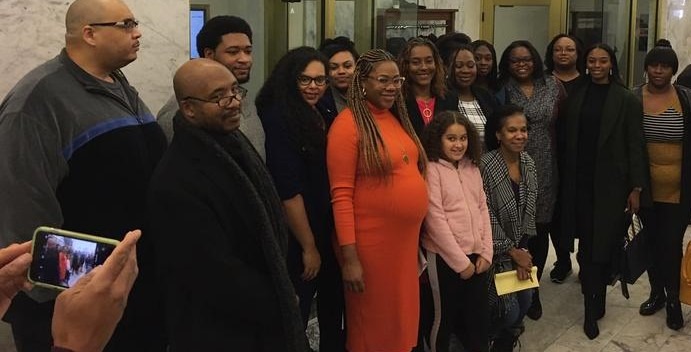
(604, 173)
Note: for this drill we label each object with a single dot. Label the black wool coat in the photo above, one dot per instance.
(221, 293)
(621, 164)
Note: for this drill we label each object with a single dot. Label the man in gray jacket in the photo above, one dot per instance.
(228, 40)
(77, 149)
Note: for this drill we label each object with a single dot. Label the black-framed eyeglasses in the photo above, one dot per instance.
(385, 81)
(307, 80)
(127, 24)
(239, 93)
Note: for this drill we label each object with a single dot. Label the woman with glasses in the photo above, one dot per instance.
(375, 164)
(472, 101)
(564, 60)
(524, 83)
(667, 129)
(342, 57)
(486, 59)
(604, 172)
(424, 87)
(296, 158)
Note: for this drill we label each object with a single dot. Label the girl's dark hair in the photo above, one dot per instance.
(614, 77)
(549, 53)
(504, 63)
(438, 85)
(662, 53)
(491, 79)
(451, 69)
(330, 47)
(280, 93)
(496, 121)
(431, 136)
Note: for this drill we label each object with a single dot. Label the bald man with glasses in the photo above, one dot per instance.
(77, 149)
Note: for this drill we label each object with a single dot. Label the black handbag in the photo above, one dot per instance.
(635, 256)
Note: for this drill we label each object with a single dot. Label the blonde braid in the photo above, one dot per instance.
(374, 158)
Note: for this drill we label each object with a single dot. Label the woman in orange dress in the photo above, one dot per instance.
(375, 163)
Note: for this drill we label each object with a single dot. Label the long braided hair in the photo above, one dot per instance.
(374, 158)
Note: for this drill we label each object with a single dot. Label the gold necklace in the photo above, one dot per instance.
(426, 111)
(406, 160)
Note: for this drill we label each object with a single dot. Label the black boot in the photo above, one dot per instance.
(599, 306)
(675, 320)
(590, 327)
(655, 302)
(535, 310)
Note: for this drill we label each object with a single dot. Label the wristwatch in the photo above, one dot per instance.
(638, 189)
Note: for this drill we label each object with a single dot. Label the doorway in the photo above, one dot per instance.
(537, 21)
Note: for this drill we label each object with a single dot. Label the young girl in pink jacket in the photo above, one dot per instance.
(457, 233)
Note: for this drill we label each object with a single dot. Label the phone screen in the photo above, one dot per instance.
(61, 260)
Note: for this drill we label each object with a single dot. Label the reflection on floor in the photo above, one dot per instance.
(560, 328)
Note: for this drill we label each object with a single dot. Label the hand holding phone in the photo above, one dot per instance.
(14, 263)
(86, 315)
(60, 258)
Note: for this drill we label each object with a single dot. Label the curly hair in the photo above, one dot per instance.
(373, 157)
(280, 93)
(214, 29)
(438, 85)
(434, 132)
(504, 64)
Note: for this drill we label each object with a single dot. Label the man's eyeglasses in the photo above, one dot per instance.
(307, 80)
(127, 24)
(238, 93)
(385, 81)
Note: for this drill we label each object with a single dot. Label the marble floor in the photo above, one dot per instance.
(560, 328)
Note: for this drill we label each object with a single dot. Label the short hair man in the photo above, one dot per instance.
(230, 290)
(228, 40)
(77, 149)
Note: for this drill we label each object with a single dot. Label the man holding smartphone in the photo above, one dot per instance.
(85, 315)
(77, 149)
(218, 227)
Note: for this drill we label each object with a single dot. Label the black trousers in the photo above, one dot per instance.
(560, 249)
(329, 289)
(665, 224)
(538, 246)
(460, 307)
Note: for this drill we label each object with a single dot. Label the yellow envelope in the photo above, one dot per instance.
(508, 282)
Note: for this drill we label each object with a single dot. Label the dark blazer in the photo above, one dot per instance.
(205, 224)
(449, 102)
(620, 165)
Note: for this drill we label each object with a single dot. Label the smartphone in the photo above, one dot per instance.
(60, 257)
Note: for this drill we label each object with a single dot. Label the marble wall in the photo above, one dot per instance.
(33, 31)
(675, 25)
